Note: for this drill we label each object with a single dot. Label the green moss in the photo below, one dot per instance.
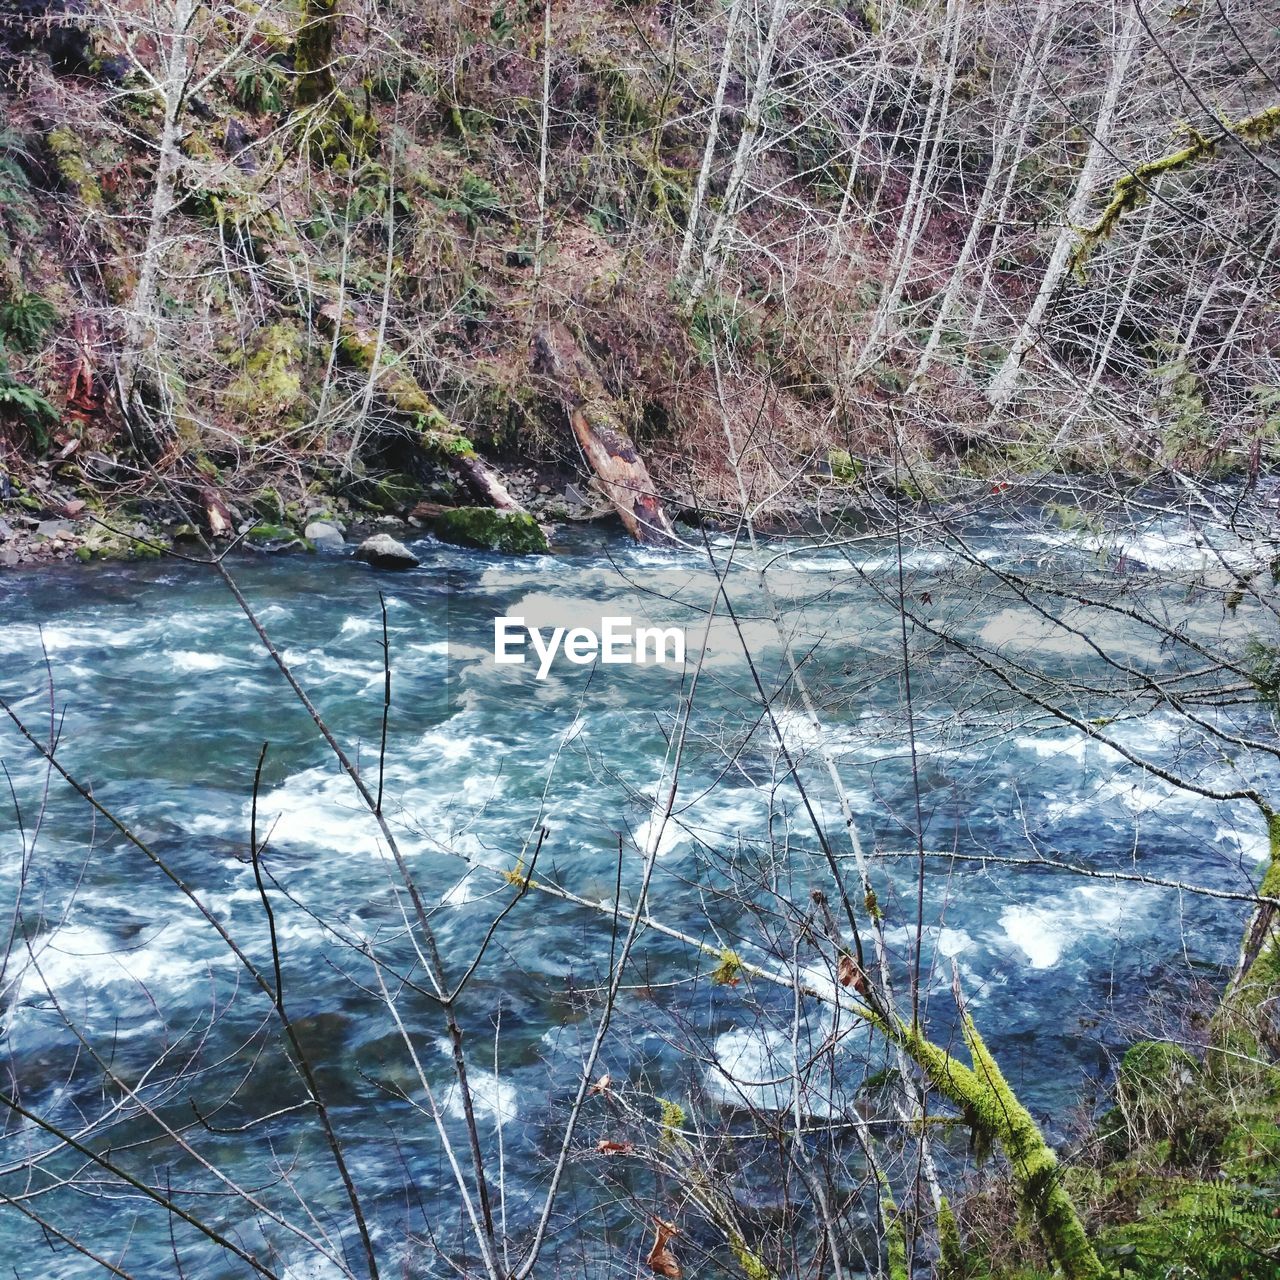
(994, 1113)
(951, 1263)
(277, 536)
(392, 494)
(1131, 190)
(752, 1265)
(335, 132)
(671, 1122)
(844, 467)
(895, 1236)
(511, 532)
(68, 157)
(269, 386)
(149, 550)
(728, 973)
(1153, 1068)
(266, 503)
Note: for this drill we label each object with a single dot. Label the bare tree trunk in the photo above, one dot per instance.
(1037, 56)
(709, 149)
(978, 221)
(1250, 302)
(1103, 354)
(1005, 382)
(855, 157)
(713, 250)
(141, 323)
(544, 145)
(922, 182)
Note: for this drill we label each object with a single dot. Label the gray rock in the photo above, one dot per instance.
(323, 534)
(53, 528)
(9, 558)
(384, 552)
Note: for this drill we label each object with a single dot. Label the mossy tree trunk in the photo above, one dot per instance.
(332, 126)
(313, 53)
(1249, 1019)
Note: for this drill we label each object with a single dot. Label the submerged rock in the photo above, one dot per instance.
(384, 552)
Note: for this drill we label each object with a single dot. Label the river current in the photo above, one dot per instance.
(164, 697)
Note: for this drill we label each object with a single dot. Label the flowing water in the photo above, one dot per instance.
(164, 697)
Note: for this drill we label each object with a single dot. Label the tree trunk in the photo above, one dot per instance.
(956, 283)
(601, 435)
(141, 323)
(713, 251)
(922, 181)
(709, 149)
(1005, 383)
(331, 124)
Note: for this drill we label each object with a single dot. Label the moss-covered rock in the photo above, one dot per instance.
(277, 537)
(389, 495)
(845, 468)
(1155, 1068)
(514, 533)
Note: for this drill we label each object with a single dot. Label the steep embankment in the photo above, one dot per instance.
(296, 261)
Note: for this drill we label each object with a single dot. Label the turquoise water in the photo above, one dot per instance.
(164, 697)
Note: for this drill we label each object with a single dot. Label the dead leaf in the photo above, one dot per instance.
(850, 975)
(662, 1262)
(606, 1147)
(601, 1085)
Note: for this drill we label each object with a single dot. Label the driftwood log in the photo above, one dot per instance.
(598, 429)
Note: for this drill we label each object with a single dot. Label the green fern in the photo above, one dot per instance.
(1203, 1231)
(501, 25)
(17, 205)
(26, 320)
(260, 88)
(28, 406)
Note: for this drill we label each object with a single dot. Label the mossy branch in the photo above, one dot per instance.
(1132, 189)
(895, 1235)
(992, 1109)
(980, 1092)
(1247, 1021)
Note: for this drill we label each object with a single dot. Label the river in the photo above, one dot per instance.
(164, 697)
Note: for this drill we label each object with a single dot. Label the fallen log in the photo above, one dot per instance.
(276, 247)
(601, 435)
(358, 345)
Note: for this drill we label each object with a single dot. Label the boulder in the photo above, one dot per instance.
(384, 552)
(324, 534)
(514, 533)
